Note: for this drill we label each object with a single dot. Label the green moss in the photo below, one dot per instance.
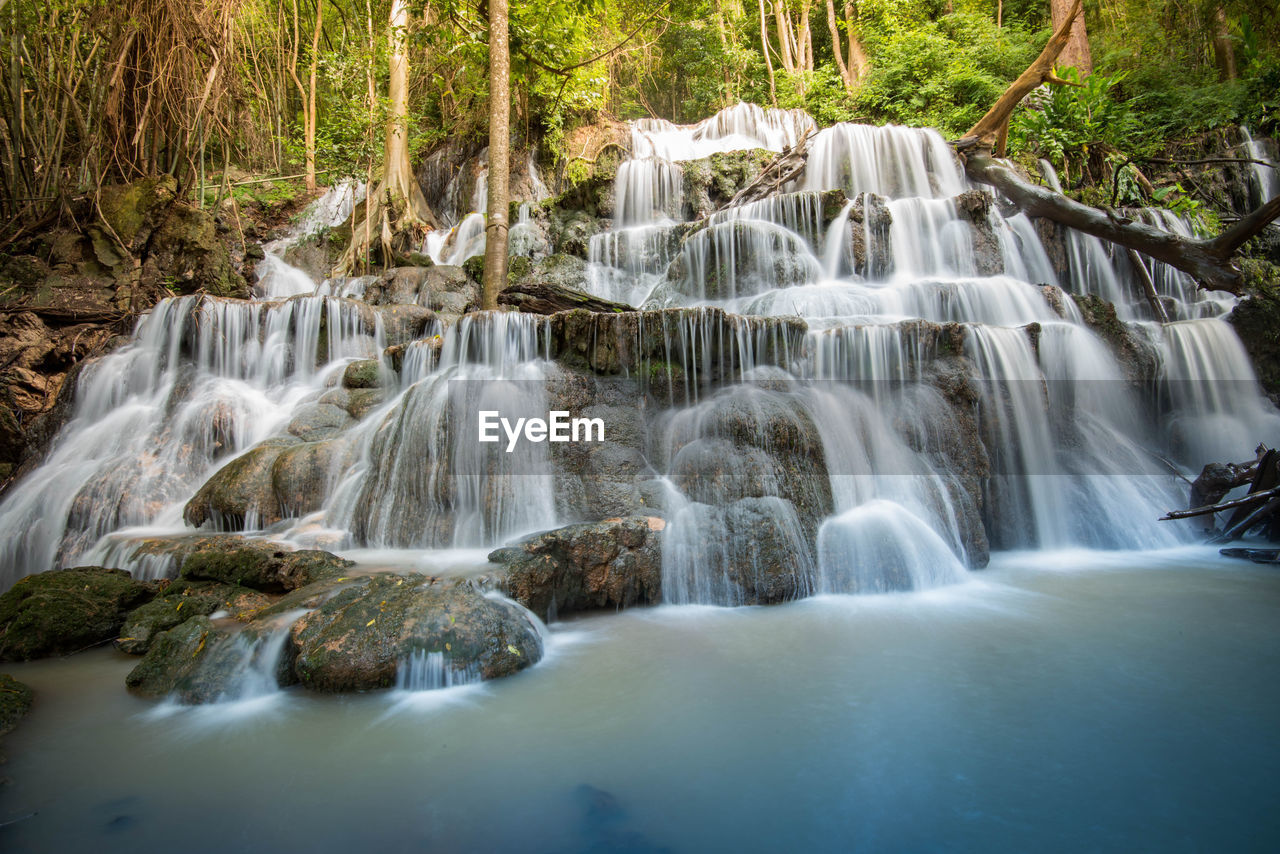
(125, 207)
(66, 611)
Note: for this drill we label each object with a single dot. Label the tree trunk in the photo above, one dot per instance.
(397, 206)
(1208, 261)
(309, 117)
(859, 65)
(992, 125)
(495, 250)
(764, 45)
(1224, 52)
(845, 75)
(1076, 54)
(804, 39)
(784, 37)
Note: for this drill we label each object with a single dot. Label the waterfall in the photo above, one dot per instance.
(861, 383)
(430, 671)
(1266, 177)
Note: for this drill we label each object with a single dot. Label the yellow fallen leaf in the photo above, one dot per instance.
(512, 649)
(371, 622)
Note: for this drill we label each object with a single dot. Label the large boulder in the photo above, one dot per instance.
(259, 564)
(66, 610)
(173, 663)
(1257, 321)
(615, 564)
(303, 474)
(752, 442)
(240, 492)
(320, 420)
(439, 288)
(753, 551)
(200, 661)
(359, 639)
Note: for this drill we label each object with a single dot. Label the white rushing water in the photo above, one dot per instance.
(836, 453)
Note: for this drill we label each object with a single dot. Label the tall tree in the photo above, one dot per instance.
(1224, 52)
(308, 92)
(764, 46)
(1076, 54)
(397, 207)
(495, 249)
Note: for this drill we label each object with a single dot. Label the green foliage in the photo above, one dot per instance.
(943, 73)
(1066, 123)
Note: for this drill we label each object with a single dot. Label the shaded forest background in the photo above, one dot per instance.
(97, 92)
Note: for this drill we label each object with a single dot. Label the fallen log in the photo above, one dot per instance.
(1246, 501)
(777, 173)
(1264, 515)
(542, 298)
(1217, 479)
(1207, 261)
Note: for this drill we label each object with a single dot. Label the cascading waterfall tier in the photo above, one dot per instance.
(859, 384)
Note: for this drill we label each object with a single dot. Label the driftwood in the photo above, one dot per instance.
(782, 170)
(1247, 501)
(1258, 510)
(1255, 555)
(1208, 261)
(541, 298)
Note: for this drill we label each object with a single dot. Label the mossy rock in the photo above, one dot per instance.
(260, 565)
(239, 490)
(362, 373)
(15, 702)
(474, 268)
(363, 400)
(66, 610)
(612, 564)
(357, 640)
(129, 208)
(173, 657)
(182, 601)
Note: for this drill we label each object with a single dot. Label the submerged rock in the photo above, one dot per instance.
(66, 610)
(15, 702)
(357, 640)
(616, 564)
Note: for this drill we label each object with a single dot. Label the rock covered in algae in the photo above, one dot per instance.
(66, 610)
(241, 490)
(358, 638)
(181, 601)
(616, 563)
(259, 564)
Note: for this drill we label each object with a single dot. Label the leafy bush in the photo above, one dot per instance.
(1064, 123)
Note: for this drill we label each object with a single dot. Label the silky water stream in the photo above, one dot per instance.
(1103, 684)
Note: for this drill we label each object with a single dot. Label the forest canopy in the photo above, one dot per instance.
(97, 91)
